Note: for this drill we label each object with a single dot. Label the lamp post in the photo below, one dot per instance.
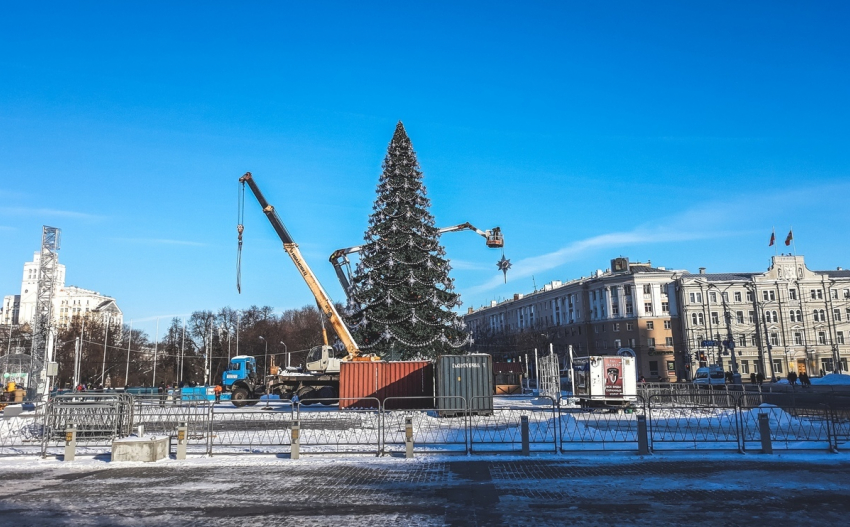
(286, 350)
(266, 372)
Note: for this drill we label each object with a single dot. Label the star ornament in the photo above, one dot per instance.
(504, 264)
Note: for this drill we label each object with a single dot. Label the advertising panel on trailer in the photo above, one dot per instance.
(605, 380)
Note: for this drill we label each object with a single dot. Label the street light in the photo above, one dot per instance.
(286, 350)
(265, 372)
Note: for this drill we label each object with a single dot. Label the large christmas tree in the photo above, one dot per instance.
(400, 305)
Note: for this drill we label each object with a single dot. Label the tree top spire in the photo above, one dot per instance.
(400, 132)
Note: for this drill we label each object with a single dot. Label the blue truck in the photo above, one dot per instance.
(246, 385)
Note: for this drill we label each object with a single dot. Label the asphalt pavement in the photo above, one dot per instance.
(552, 490)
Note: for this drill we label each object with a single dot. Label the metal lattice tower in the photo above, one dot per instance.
(43, 318)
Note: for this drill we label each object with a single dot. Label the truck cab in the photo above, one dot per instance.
(324, 359)
(241, 367)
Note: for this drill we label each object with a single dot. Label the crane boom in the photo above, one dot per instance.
(493, 237)
(322, 299)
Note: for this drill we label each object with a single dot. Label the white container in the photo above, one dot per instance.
(605, 379)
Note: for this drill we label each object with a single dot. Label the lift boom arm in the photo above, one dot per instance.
(291, 248)
(493, 239)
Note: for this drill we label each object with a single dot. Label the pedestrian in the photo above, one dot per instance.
(792, 378)
(760, 378)
(642, 379)
(218, 393)
(753, 378)
(728, 377)
(161, 391)
(804, 379)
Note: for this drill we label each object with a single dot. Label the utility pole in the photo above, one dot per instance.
(127, 370)
(105, 340)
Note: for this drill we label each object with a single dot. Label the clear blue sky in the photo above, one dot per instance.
(679, 132)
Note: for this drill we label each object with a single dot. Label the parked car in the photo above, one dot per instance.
(709, 377)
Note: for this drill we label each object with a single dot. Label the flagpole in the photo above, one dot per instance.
(775, 247)
(794, 242)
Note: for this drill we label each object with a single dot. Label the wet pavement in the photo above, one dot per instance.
(730, 490)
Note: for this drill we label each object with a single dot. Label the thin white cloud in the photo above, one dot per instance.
(464, 265)
(26, 211)
(161, 241)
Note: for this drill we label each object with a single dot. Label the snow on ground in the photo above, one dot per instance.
(830, 379)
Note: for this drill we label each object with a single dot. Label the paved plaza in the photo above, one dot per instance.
(804, 489)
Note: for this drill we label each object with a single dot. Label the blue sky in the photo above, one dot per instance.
(678, 132)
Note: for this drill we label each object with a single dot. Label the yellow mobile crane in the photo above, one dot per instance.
(322, 364)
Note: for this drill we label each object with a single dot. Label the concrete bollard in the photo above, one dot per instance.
(70, 443)
(764, 432)
(526, 449)
(295, 447)
(182, 431)
(408, 437)
(140, 431)
(642, 436)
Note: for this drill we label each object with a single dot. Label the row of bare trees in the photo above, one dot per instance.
(189, 351)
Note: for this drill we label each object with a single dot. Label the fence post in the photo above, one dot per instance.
(210, 413)
(408, 437)
(643, 439)
(295, 447)
(764, 432)
(70, 442)
(181, 440)
(525, 440)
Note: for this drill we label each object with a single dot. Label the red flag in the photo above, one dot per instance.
(790, 237)
(772, 239)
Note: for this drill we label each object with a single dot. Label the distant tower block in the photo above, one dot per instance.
(43, 318)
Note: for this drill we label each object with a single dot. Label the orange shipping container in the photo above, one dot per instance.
(360, 382)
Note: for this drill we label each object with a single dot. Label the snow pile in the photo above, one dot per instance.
(832, 379)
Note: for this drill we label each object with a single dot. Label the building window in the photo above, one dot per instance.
(826, 365)
(632, 343)
(817, 294)
(839, 337)
(821, 337)
(650, 341)
(665, 307)
(615, 309)
(696, 298)
(739, 317)
(668, 324)
(668, 341)
(777, 365)
(664, 290)
(742, 340)
(617, 326)
(792, 293)
(768, 296)
(714, 318)
(647, 289)
(617, 343)
(613, 291)
(712, 297)
(752, 317)
(798, 338)
(653, 368)
(629, 326)
(650, 324)
(629, 309)
(627, 290)
(774, 338)
(647, 307)
(596, 329)
(837, 314)
(737, 296)
(834, 294)
(745, 366)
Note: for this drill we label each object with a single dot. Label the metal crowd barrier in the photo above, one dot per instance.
(688, 419)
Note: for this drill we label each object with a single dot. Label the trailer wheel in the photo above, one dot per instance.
(327, 392)
(239, 397)
(306, 395)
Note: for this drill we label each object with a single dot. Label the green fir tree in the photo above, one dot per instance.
(401, 300)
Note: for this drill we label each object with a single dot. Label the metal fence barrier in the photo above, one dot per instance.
(589, 429)
(688, 419)
(328, 429)
(501, 431)
(431, 432)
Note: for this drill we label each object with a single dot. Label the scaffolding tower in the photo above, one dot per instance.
(42, 322)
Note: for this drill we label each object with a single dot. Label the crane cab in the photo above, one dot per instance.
(495, 240)
(324, 359)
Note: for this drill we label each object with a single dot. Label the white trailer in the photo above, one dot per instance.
(605, 380)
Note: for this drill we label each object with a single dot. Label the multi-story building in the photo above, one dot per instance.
(788, 318)
(68, 301)
(631, 305)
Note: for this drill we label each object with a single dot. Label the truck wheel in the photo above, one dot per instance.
(239, 397)
(306, 395)
(327, 392)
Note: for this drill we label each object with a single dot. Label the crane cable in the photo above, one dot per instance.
(240, 216)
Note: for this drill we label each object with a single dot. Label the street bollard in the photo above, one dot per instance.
(526, 450)
(642, 437)
(764, 432)
(182, 431)
(70, 443)
(140, 431)
(408, 437)
(295, 450)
